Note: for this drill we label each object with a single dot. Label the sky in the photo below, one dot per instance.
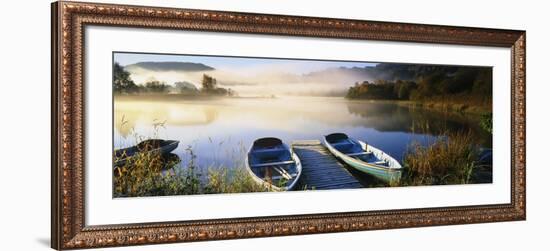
(240, 63)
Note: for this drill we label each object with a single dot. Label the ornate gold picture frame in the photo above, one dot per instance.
(69, 230)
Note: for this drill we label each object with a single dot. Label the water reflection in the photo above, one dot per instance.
(403, 117)
(220, 130)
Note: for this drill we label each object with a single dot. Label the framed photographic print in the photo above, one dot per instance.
(175, 125)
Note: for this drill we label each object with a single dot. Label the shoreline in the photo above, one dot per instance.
(179, 97)
(441, 106)
(454, 107)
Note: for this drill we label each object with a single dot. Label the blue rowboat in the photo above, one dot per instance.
(364, 157)
(273, 164)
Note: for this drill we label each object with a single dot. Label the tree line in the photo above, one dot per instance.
(123, 84)
(425, 82)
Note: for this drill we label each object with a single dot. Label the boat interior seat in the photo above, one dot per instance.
(274, 163)
(343, 145)
(347, 147)
(270, 150)
(379, 163)
(361, 153)
(270, 154)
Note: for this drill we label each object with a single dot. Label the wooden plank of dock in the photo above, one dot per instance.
(320, 169)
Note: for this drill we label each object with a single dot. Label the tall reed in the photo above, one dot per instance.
(152, 174)
(450, 159)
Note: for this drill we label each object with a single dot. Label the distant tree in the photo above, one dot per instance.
(208, 83)
(483, 84)
(429, 84)
(156, 86)
(122, 83)
(429, 81)
(185, 87)
(210, 86)
(380, 89)
(403, 89)
(463, 79)
(231, 92)
(414, 95)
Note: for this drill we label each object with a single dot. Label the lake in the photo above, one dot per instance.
(220, 130)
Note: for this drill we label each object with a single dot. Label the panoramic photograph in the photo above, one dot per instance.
(197, 124)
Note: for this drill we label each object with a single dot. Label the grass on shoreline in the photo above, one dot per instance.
(142, 176)
(451, 159)
(453, 104)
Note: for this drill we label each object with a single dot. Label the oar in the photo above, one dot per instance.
(283, 172)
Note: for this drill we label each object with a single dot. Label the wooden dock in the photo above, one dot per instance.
(320, 169)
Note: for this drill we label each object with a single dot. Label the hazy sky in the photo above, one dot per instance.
(239, 63)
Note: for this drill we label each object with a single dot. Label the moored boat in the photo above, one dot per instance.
(364, 157)
(273, 164)
(153, 146)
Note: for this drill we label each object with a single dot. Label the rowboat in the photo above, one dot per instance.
(363, 157)
(152, 146)
(273, 164)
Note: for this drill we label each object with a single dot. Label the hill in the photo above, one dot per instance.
(169, 66)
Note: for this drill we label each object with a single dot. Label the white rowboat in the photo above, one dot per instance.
(364, 157)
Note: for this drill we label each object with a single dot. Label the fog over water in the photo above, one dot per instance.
(248, 76)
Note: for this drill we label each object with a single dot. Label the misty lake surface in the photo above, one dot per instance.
(220, 130)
